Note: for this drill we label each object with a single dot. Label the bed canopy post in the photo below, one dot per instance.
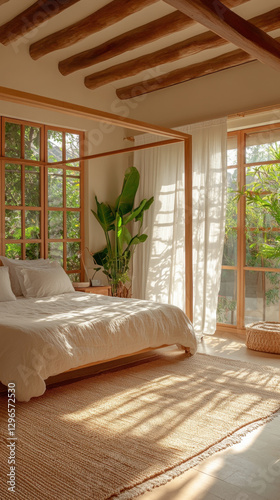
(170, 135)
(188, 227)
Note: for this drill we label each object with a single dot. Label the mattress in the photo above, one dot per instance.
(43, 337)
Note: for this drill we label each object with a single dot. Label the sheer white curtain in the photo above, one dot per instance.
(159, 266)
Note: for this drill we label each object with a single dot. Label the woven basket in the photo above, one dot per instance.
(263, 336)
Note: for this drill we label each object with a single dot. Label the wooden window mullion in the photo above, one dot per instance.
(43, 209)
(23, 211)
(241, 238)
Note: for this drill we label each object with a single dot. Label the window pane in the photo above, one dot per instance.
(253, 176)
(32, 224)
(262, 146)
(55, 252)
(75, 277)
(13, 251)
(55, 145)
(232, 186)
(232, 150)
(32, 143)
(73, 173)
(73, 192)
(33, 251)
(261, 296)
(55, 187)
(72, 146)
(13, 224)
(73, 256)
(12, 140)
(55, 225)
(226, 310)
(263, 177)
(230, 248)
(13, 184)
(32, 186)
(254, 245)
(73, 225)
(256, 217)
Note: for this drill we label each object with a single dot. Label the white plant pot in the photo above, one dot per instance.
(95, 282)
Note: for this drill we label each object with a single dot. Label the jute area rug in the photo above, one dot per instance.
(120, 433)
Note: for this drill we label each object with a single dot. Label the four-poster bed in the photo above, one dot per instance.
(181, 331)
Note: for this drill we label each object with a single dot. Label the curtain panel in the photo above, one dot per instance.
(159, 264)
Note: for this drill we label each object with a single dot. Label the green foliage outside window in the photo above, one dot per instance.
(61, 146)
(262, 195)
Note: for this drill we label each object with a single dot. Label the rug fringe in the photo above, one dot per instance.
(168, 475)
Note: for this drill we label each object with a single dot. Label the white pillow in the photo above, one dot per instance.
(13, 264)
(44, 282)
(6, 292)
(20, 276)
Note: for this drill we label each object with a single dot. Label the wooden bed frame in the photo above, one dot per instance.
(95, 363)
(169, 136)
(70, 108)
(62, 377)
(143, 351)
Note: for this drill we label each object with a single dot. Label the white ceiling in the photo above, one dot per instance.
(86, 7)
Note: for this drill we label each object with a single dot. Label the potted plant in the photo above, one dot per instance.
(115, 220)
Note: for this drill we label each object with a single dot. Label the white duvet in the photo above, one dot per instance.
(40, 338)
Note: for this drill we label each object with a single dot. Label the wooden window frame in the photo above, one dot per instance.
(43, 208)
(241, 267)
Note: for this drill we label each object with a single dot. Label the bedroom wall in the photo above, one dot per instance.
(103, 177)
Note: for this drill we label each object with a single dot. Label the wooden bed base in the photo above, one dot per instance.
(150, 349)
(52, 379)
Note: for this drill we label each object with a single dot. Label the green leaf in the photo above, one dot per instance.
(138, 239)
(135, 213)
(146, 207)
(100, 258)
(125, 201)
(104, 215)
(125, 238)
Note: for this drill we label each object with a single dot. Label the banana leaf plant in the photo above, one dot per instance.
(115, 221)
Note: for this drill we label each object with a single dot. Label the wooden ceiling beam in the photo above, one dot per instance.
(3, 1)
(225, 61)
(32, 17)
(164, 26)
(110, 14)
(171, 23)
(221, 20)
(208, 40)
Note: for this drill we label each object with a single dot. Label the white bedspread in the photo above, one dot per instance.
(44, 337)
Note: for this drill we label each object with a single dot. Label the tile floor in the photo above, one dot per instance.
(249, 470)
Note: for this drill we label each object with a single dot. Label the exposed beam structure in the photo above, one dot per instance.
(115, 152)
(171, 23)
(106, 16)
(221, 20)
(32, 17)
(226, 61)
(41, 102)
(208, 40)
